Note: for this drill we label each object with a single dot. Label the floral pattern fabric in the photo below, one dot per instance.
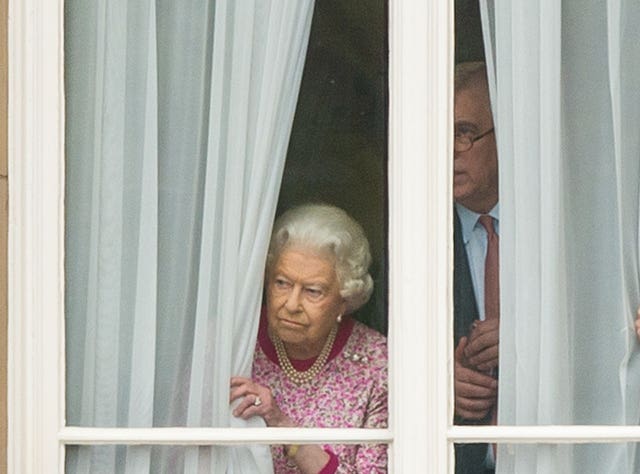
(350, 392)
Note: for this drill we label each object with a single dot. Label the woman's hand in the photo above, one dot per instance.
(310, 457)
(257, 400)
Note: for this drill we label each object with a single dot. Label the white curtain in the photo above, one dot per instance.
(565, 80)
(178, 117)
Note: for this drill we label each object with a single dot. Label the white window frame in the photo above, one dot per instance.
(420, 302)
(420, 33)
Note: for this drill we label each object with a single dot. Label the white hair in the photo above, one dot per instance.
(326, 228)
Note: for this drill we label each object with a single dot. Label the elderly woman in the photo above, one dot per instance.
(314, 366)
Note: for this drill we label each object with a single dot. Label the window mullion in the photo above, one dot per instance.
(220, 436)
(545, 434)
(420, 176)
(36, 137)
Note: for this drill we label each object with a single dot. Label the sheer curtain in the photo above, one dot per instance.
(178, 119)
(566, 96)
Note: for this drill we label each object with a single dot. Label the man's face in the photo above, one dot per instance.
(475, 171)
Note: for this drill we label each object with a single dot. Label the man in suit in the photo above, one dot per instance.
(476, 287)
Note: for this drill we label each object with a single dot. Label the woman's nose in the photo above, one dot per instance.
(293, 299)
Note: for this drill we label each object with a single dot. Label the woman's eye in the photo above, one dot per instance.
(282, 284)
(313, 293)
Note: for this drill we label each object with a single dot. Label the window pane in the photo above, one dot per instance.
(147, 236)
(175, 459)
(546, 263)
(475, 189)
(156, 459)
(551, 458)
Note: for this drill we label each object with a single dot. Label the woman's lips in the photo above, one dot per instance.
(289, 323)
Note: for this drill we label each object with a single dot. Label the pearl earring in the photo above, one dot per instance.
(339, 318)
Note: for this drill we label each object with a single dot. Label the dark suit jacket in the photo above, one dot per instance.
(469, 457)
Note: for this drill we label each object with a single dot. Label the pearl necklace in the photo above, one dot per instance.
(300, 377)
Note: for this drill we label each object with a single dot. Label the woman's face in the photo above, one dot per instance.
(303, 300)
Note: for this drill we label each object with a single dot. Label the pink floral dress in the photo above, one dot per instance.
(350, 392)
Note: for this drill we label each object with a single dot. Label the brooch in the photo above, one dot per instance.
(355, 357)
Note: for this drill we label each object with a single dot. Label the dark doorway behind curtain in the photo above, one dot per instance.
(338, 148)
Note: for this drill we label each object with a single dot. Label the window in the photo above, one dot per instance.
(168, 140)
(421, 436)
(37, 432)
(538, 63)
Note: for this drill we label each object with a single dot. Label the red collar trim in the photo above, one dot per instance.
(344, 331)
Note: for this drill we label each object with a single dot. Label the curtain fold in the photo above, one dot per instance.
(178, 119)
(566, 100)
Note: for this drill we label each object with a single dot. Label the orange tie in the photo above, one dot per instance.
(491, 286)
(491, 271)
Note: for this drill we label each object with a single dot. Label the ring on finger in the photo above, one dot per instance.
(258, 401)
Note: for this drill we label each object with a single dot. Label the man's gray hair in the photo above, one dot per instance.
(470, 74)
(325, 228)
